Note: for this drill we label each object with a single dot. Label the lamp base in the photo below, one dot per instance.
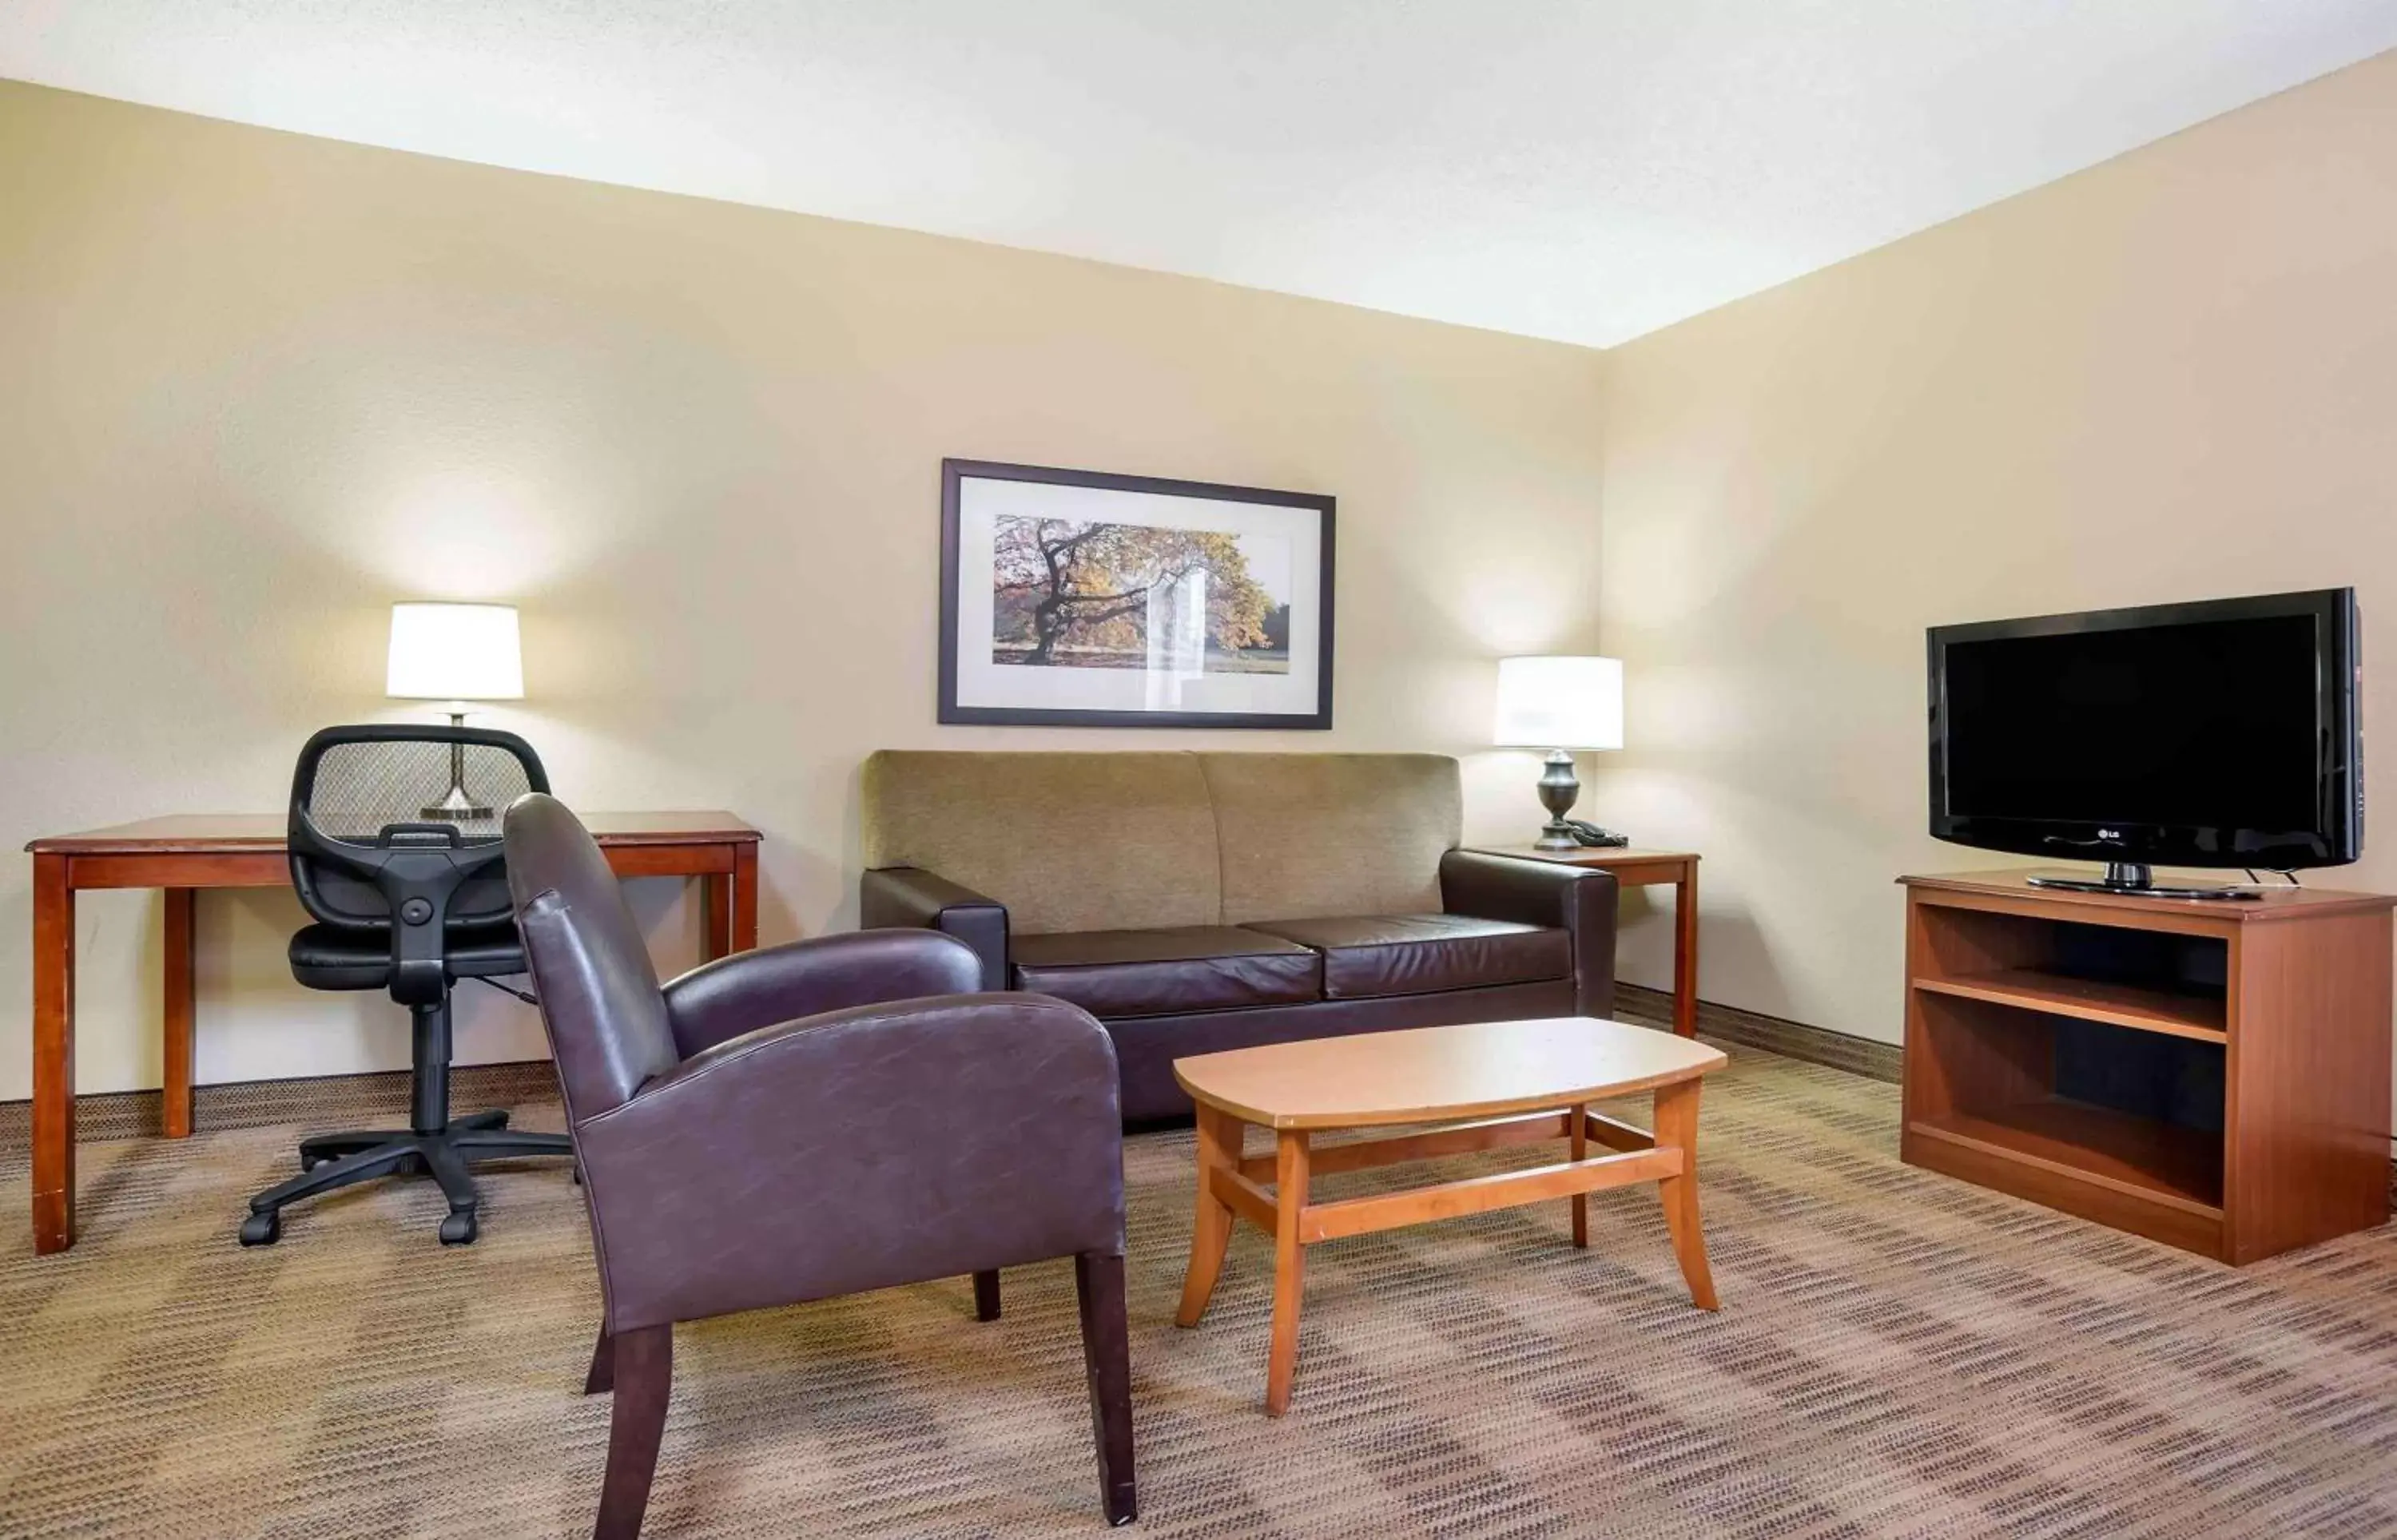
(457, 807)
(1560, 789)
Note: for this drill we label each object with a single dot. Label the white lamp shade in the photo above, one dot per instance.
(454, 652)
(1559, 702)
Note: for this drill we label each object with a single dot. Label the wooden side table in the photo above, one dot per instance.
(1647, 869)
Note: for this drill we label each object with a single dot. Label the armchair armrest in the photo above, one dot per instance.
(866, 1148)
(910, 896)
(1579, 900)
(732, 995)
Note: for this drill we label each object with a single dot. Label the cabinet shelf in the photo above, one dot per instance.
(2180, 1168)
(2176, 1012)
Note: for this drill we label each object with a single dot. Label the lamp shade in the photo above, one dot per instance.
(454, 652)
(1559, 702)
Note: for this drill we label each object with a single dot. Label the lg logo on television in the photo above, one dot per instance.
(2110, 833)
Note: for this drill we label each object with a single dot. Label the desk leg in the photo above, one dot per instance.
(715, 902)
(1685, 952)
(54, 1175)
(744, 898)
(175, 1101)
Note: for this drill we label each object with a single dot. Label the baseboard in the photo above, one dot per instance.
(325, 1100)
(331, 1100)
(1790, 1039)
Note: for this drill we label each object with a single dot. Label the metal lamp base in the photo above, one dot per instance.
(1560, 789)
(457, 807)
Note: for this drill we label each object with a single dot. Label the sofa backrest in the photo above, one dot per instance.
(1066, 842)
(1304, 836)
(1076, 842)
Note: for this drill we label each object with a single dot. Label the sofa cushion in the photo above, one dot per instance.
(1065, 842)
(1305, 836)
(1135, 972)
(1366, 956)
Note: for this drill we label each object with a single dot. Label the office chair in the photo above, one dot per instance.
(396, 851)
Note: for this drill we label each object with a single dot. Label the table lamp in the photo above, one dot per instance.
(455, 653)
(1560, 704)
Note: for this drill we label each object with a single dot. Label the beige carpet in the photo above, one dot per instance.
(1897, 1355)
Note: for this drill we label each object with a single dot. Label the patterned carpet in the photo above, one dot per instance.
(1897, 1355)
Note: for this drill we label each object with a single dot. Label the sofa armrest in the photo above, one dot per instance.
(858, 1150)
(892, 897)
(1578, 900)
(732, 995)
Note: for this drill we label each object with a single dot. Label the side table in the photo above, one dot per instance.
(1647, 869)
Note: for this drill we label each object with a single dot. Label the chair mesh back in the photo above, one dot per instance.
(361, 784)
(363, 788)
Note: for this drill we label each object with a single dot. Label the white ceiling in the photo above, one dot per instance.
(1579, 169)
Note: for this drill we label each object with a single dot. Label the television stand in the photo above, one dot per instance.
(2212, 1076)
(2139, 881)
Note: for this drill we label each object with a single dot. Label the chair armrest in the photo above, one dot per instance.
(910, 896)
(740, 993)
(1579, 900)
(866, 1148)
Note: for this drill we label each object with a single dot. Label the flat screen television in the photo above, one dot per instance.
(2222, 734)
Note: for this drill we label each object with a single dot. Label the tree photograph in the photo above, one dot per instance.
(1079, 594)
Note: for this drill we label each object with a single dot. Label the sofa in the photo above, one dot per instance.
(1195, 902)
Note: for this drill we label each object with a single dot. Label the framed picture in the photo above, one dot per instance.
(1077, 599)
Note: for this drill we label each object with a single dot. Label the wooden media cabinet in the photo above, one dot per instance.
(2210, 1073)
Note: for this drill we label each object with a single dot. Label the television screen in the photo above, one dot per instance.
(2218, 734)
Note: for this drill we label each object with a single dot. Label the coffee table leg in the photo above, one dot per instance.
(1677, 1128)
(1290, 1266)
(1210, 1229)
(1579, 1134)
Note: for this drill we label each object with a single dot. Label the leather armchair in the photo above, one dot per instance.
(817, 1119)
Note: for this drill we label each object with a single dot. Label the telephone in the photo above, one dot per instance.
(1590, 834)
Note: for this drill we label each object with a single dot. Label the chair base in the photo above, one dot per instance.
(330, 1160)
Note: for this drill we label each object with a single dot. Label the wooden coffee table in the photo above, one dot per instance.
(1491, 1084)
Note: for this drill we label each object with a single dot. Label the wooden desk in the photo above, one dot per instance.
(185, 854)
(1645, 869)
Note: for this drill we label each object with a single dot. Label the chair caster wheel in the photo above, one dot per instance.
(263, 1229)
(578, 1174)
(499, 1119)
(460, 1228)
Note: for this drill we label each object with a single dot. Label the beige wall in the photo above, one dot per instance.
(254, 387)
(2172, 377)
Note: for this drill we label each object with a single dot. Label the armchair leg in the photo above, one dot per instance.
(643, 1370)
(986, 1295)
(1106, 1359)
(602, 1377)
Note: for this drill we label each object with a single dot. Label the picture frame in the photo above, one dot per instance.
(1087, 598)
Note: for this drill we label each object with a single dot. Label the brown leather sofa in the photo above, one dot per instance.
(1201, 902)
